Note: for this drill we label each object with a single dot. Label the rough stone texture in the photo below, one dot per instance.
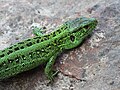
(95, 65)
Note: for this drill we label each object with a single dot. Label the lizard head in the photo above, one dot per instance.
(77, 30)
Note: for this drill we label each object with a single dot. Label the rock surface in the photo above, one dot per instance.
(95, 65)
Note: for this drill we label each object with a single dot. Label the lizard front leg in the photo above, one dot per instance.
(39, 31)
(48, 69)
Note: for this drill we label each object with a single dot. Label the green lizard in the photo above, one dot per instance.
(41, 49)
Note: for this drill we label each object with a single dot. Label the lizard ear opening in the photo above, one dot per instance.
(72, 38)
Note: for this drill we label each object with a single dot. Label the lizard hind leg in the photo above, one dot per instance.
(48, 69)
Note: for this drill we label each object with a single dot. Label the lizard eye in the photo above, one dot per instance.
(86, 27)
(72, 38)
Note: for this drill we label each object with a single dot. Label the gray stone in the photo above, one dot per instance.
(96, 63)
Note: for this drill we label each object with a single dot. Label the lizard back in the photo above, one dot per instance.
(28, 54)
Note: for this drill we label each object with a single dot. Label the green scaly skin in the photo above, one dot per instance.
(42, 49)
